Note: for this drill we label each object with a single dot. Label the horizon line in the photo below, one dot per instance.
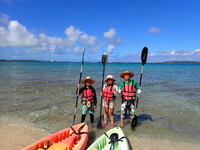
(197, 62)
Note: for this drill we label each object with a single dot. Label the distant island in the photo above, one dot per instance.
(165, 62)
(29, 60)
(180, 62)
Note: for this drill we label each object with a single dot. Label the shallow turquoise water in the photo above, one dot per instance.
(43, 93)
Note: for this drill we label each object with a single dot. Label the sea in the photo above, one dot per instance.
(44, 94)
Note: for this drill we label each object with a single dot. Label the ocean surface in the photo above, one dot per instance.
(43, 94)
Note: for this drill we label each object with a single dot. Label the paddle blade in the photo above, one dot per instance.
(104, 58)
(99, 124)
(144, 55)
(134, 122)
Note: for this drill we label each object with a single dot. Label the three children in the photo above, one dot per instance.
(128, 89)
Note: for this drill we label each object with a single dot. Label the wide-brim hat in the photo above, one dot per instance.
(88, 78)
(109, 77)
(126, 72)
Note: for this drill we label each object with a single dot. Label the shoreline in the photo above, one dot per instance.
(19, 135)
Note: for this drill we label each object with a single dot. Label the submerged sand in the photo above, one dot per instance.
(18, 136)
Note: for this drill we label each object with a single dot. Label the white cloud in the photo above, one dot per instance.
(112, 40)
(16, 35)
(22, 41)
(152, 54)
(154, 30)
(110, 48)
(196, 51)
(52, 48)
(88, 40)
(50, 40)
(73, 33)
(174, 52)
(78, 49)
(175, 55)
(74, 50)
(110, 34)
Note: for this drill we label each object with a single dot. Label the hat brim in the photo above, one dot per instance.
(130, 73)
(111, 79)
(92, 81)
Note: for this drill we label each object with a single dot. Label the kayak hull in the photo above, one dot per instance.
(102, 143)
(72, 141)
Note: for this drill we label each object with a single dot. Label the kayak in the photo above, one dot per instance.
(74, 137)
(114, 139)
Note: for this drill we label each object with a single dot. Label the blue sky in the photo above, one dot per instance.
(61, 29)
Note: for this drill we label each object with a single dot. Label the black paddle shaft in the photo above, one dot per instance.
(143, 59)
(104, 60)
(102, 89)
(77, 89)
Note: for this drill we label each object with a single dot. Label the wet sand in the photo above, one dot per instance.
(152, 144)
(18, 136)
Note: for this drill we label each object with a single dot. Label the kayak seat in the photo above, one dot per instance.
(114, 138)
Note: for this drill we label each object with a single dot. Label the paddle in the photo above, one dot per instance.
(104, 60)
(143, 59)
(77, 89)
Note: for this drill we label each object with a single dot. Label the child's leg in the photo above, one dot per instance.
(91, 111)
(122, 122)
(111, 113)
(132, 111)
(106, 112)
(83, 118)
(84, 113)
(92, 118)
(123, 113)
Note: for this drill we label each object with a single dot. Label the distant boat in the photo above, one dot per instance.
(52, 60)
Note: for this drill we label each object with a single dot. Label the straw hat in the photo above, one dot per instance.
(88, 78)
(126, 72)
(109, 77)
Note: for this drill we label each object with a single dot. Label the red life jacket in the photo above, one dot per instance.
(108, 93)
(128, 91)
(87, 94)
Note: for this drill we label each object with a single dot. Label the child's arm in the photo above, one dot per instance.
(95, 97)
(121, 84)
(81, 90)
(137, 87)
(101, 93)
(115, 89)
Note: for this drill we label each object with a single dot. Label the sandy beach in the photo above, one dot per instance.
(18, 136)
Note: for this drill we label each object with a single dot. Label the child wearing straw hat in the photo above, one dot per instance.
(109, 95)
(128, 90)
(89, 99)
